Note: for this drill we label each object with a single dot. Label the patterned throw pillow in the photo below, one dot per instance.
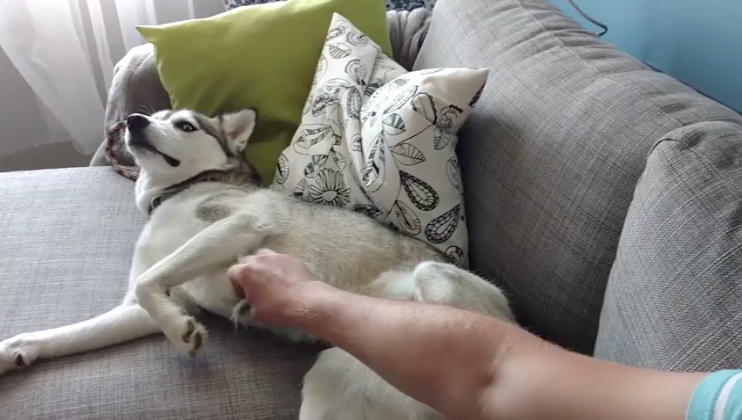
(390, 4)
(381, 141)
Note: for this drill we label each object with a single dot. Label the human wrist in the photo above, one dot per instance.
(305, 304)
(523, 370)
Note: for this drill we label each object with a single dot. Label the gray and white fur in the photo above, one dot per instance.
(207, 212)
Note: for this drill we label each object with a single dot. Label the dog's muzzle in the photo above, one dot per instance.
(136, 124)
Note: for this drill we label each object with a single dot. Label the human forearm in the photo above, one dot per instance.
(440, 355)
(470, 366)
(560, 385)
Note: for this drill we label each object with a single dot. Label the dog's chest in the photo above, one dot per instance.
(171, 225)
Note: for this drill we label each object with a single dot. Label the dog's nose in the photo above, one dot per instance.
(136, 122)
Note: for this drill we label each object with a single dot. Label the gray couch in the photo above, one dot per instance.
(604, 197)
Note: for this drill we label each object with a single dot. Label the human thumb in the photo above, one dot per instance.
(236, 275)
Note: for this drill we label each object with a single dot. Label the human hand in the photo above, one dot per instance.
(276, 285)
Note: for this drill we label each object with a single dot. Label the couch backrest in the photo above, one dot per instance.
(552, 155)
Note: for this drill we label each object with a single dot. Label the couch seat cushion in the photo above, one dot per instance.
(67, 237)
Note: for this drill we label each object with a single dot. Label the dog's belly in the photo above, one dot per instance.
(213, 293)
(351, 258)
(348, 263)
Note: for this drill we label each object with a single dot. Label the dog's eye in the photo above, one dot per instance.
(185, 126)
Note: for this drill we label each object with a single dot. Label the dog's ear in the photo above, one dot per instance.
(238, 127)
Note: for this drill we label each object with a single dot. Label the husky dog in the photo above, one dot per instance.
(206, 213)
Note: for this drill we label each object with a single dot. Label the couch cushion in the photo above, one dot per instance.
(67, 237)
(381, 141)
(551, 157)
(673, 296)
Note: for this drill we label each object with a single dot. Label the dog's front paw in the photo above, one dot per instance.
(17, 352)
(186, 334)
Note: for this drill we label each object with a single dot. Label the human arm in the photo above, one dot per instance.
(465, 365)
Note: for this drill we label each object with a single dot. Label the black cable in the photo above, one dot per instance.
(593, 21)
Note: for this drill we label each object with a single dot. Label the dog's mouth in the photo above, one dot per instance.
(139, 142)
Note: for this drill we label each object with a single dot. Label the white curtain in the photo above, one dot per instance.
(57, 59)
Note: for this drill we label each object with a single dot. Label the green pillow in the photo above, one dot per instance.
(262, 56)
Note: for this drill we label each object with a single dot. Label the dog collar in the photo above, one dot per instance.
(212, 175)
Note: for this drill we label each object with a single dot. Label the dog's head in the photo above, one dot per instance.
(171, 146)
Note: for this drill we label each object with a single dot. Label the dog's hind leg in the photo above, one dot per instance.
(449, 285)
(216, 246)
(443, 283)
(123, 323)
